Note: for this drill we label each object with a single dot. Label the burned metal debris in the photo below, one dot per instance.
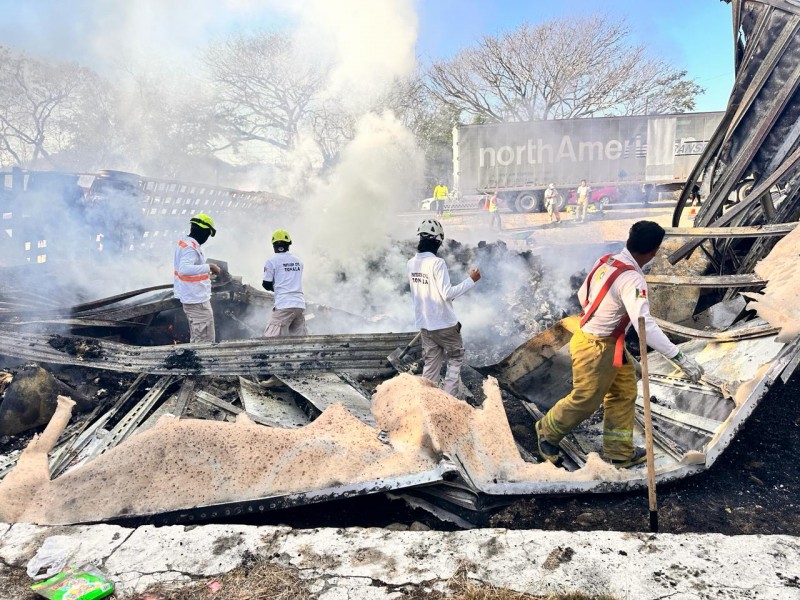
(750, 170)
(307, 401)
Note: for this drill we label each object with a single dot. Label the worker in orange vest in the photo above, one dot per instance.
(613, 296)
(192, 279)
(494, 214)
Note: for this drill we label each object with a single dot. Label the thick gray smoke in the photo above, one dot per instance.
(344, 223)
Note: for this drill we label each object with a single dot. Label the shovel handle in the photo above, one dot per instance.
(411, 343)
(648, 427)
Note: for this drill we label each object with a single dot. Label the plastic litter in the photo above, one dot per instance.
(84, 582)
(50, 559)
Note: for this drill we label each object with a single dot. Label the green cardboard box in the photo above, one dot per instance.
(76, 583)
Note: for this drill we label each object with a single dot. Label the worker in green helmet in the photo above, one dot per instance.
(192, 278)
(283, 275)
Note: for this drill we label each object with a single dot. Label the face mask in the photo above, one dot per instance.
(648, 265)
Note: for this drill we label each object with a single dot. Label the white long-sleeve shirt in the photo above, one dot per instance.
(432, 292)
(191, 274)
(628, 294)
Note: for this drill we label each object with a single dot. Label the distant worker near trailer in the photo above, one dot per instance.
(613, 296)
(440, 193)
(552, 202)
(433, 307)
(494, 213)
(192, 279)
(584, 193)
(283, 275)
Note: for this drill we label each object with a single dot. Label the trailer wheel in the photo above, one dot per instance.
(511, 203)
(604, 202)
(528, 202)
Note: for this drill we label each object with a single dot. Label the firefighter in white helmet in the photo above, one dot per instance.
(433, 307)
(283, 275)
(614, 296)
(192, 278)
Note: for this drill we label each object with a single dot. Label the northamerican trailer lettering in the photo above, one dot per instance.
(537, 152)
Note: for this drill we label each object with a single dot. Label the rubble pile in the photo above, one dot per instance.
(518, 295)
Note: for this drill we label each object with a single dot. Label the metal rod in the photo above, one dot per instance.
(648, 429)
(707, 281)
(776, 229)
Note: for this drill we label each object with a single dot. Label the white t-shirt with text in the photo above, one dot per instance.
(432, 292)
(285, 270)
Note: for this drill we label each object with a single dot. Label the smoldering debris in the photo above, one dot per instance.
(518, 296)
(79, 347)
(183, 358)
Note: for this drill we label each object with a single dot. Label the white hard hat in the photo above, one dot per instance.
(431, 228)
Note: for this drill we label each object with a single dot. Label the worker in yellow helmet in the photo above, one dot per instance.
(283, 275)
(192, 279)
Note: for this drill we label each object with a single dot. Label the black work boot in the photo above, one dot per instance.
(549, 452)
(638, 457)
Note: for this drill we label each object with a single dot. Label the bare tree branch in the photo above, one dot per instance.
(38, 103)
(264, 89)
(564, 68)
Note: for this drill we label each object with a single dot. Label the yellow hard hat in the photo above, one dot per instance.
(204, 221)
(281, 235)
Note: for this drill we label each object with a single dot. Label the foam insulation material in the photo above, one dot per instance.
(778, 302)
(181, 464)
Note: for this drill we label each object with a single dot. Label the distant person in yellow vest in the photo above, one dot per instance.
(494, 215)
(192, 279)
(552, 202)
(584, 193)
(439, 196)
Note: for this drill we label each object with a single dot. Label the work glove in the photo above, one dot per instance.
(689, 366)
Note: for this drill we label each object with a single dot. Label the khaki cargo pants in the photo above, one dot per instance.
(286, 322)
(582, 208)
(201, 322)
(552, 210)
(436, 344)
(596, 380)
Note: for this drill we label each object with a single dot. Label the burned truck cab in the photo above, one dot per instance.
(113, 210)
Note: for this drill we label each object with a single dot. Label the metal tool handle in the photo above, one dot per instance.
(411, 343)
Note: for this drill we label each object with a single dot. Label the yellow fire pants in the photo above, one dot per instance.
(596, 380)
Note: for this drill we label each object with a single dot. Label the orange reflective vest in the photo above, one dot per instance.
(191, 277)
(618, 333)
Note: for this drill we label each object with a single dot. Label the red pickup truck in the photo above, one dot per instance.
(602, 196)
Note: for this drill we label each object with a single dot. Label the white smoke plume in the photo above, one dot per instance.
(346, 223)
(347, 215)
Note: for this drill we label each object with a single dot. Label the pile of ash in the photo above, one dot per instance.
(184, 359)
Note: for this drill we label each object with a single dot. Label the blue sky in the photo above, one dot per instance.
(695, 35)
(692, 34)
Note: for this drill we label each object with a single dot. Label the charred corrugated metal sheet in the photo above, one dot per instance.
(748, 174)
